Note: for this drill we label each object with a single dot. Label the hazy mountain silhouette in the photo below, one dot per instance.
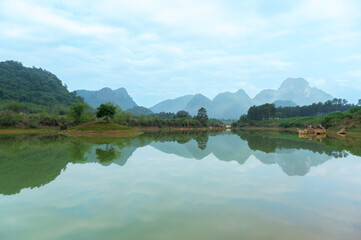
(172, 105)
(293, 91)
(119, 97)
(296, 90)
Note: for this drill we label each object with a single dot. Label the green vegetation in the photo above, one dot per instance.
(11, 119)
(263, 112)
(100, 126)
(165, 120)
(267, 111)
(350, 119)
(79, 113)
(33, 90)
(329, 114)
(31, 161)
(76, 111)
(202, 117)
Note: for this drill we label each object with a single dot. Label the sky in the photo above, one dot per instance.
(165, 49)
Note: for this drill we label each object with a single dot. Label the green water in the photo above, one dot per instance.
(179, 186)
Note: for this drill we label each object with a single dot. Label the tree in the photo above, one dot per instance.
(182, 114)
(76, 110)
(243, 118)
(107, 155)
(202, 117)
(106, 110)
(202, 140)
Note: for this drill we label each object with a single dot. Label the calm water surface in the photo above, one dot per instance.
(179, 186)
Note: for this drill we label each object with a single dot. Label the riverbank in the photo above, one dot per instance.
(355, 131)
(102, 129)
(27, 130)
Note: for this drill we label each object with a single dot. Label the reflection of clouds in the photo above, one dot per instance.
(338, 169)
(251, 163)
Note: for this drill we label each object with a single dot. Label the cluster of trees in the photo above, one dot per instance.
(315, 109)
(269, 111)
(263, 112)
(180, 119)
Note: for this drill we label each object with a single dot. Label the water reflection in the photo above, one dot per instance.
(33, 161)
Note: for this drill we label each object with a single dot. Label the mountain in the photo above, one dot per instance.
(118, 97)
(230, 105)
(137, 110)
(196, 103)
(292, 92)
(296, 90)
(172, 105)
(35, 88)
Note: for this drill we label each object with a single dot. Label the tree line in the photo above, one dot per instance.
(269, 111)
(79, 113)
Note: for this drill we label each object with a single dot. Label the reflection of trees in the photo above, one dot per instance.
(107, 155)
(180, 137)
(77, 151)
(202, 140)
(30, 161)
(269, 144)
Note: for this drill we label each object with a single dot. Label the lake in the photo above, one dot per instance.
(180, 185)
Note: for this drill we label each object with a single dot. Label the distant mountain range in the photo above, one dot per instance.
(292, 92)
(227, 105)
(38, 90)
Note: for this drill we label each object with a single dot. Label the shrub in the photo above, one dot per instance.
(9, 119)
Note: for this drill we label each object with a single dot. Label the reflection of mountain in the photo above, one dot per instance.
(30, 162)
(33, 161)
(294, 157)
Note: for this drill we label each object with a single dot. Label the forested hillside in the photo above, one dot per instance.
(33, 89)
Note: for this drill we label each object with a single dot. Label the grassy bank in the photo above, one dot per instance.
(100, 130)
(100, 126)
(27, 130)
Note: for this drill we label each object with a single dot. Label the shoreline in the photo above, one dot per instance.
(354, 131)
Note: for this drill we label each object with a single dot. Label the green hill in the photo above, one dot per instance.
(32, 89)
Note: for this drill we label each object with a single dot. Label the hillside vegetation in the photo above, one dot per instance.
(24, 89)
